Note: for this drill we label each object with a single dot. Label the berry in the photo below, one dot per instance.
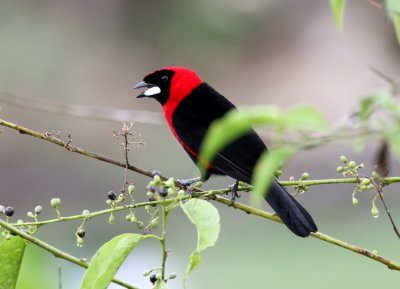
(343, 159)
(352, 165)
(81, 233)
(163, 192)
(38, 210)
(150, 188)
(340, 169)
(85, 212)
(152, 198)
(172, 276)
(153, 278)
(146, 273)
(305, 176)
(111, 195)
(131, 189)
(146, 231)
(55, 203)
(30, 214)
(2, 209)
(155, 173)
(9, 211)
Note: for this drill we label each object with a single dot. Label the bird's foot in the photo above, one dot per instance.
(187, 184)
(234, 191)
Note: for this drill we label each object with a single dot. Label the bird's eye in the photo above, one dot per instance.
(164, 78)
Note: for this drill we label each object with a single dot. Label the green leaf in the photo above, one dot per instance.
(107, 260)
(393, 10)
(380, 98)
(337, 8)
(303, 117)
(263, 174)
(160, 284)
(233, 125)
(206, 219)
(11, 254)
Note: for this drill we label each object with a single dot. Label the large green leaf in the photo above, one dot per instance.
(108, 259)
(303, 117)
(338, 7)
(232, 126)
(263, 174)
(11, 254)
(206, 219)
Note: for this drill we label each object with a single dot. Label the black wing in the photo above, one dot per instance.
(191, 121)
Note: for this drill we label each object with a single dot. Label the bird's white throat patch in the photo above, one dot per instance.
(152, 91)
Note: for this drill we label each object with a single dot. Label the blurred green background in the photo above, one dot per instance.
(255, 52)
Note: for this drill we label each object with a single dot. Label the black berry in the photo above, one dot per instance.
(9, 211)
(153, 278)
(163, 192)
(155, 173)
(150, 189)
(152, 198)
(81, 233)
(111, 195)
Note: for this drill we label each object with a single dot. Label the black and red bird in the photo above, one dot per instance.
(190, 106)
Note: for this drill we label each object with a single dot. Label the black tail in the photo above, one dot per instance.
(295, 217)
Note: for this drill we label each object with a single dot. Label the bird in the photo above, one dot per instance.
(190, 107)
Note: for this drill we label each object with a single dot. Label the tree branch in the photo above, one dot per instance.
(209, 194)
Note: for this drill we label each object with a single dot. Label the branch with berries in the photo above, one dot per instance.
(164, 195)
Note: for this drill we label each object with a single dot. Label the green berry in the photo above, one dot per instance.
(9, 211)
(365, 181)
(157, 179)
(172, 275)
(79, 241)
(146, 273)
(340, 169)
(355, 201)
(111, 219)
(375, 174)
(30, 214)
(351, 165)
(38, 210)
(2, 209)
(304, 176)
(55, 203)
(374, 211)
(155, 222)
(278, 173)
(159, 276)
(140, 224)
(131, 189)
(181, 193)
(85, 212)
(343, 159)
(171, 192)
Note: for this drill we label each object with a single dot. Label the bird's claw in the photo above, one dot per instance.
(187, 182)
(234, 191)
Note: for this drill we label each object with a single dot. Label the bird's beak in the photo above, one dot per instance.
(152, 89)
